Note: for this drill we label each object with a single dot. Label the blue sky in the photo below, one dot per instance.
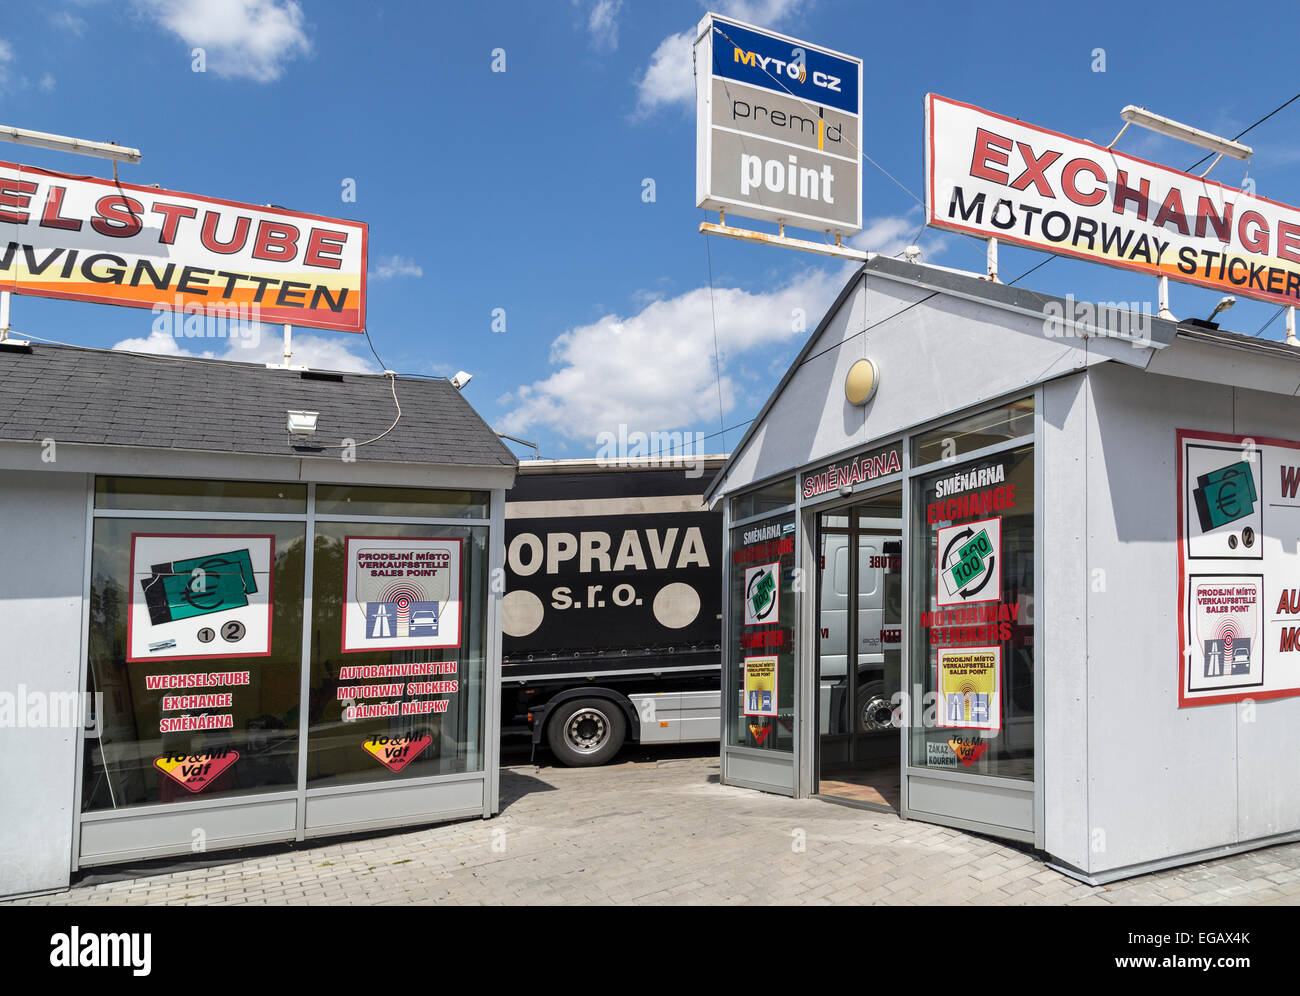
(522, 190)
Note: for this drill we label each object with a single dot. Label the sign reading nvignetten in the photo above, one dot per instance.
(778, 128)
(86, 239)
(996, 177)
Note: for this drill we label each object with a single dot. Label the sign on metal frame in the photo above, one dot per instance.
(778, 130)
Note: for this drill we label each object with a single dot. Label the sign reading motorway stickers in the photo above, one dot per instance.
(762, 594)
(395, 753)
(86, 239)
(760, 686)
(995, 177)
(970, 688)
(195, 772)
(968, 563)
(1239, 568)
(199, 596)
(778, 128)
(401, 594)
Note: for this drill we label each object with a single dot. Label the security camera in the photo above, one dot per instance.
(461, 379)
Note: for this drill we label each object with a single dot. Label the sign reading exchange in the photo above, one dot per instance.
(996, 177)
(85, 239)
(778, 128)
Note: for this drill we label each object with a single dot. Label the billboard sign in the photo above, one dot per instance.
(996, 177)
(778, 128)
(85, 239)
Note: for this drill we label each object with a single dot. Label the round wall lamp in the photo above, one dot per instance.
(861, 382)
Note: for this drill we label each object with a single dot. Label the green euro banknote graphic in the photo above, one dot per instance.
(1225, 495)
(198, 586)
(970, 565)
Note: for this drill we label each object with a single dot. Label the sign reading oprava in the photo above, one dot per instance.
(401, 593)
(199, 596)
(760, 686)
(1238, 568)
(778, 128)
(970, 688)
(86, 239)
(995, 177)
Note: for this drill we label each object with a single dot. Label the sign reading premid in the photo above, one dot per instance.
(401, 594)
(778, 128)
(85, 239)
(995, 177)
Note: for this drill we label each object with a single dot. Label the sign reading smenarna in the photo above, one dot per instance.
(778, 128)
(996, 177)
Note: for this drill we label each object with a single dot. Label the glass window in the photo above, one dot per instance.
(154, 494)
(1010, 421)
(382, 714)
(765, 499)
(973, 617)
(342, 499)
(194, 657)
(759, 685)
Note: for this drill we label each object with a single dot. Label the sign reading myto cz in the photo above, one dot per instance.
(1238, 568)
(86, 239)
(778, 128)
(995, 177)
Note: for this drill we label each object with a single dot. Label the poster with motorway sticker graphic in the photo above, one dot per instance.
(1238, 568)
(401, 593)
(968, 563)
(199, 596)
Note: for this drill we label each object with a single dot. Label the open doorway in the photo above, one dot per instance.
(859, 650)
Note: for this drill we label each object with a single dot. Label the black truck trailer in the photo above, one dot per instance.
(611, 617)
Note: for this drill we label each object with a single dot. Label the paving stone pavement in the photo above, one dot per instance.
(662, 831)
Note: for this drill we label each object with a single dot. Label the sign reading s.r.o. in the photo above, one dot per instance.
(85, 239)
(778, 128)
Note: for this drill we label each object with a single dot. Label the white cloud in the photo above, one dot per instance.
(47, 83)
(245, 39)
(655, 369)
(602, 25)
(669, 79)
(67, 21)
(6, 57)
(266, 345)
(388, 267)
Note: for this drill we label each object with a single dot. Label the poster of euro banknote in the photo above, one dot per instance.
(199, 596)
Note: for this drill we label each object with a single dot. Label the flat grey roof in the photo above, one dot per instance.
(115, 398)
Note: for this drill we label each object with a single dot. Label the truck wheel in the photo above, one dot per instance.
(875, 708)
(586, 732)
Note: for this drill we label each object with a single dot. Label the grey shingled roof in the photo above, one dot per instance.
(108, 397)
